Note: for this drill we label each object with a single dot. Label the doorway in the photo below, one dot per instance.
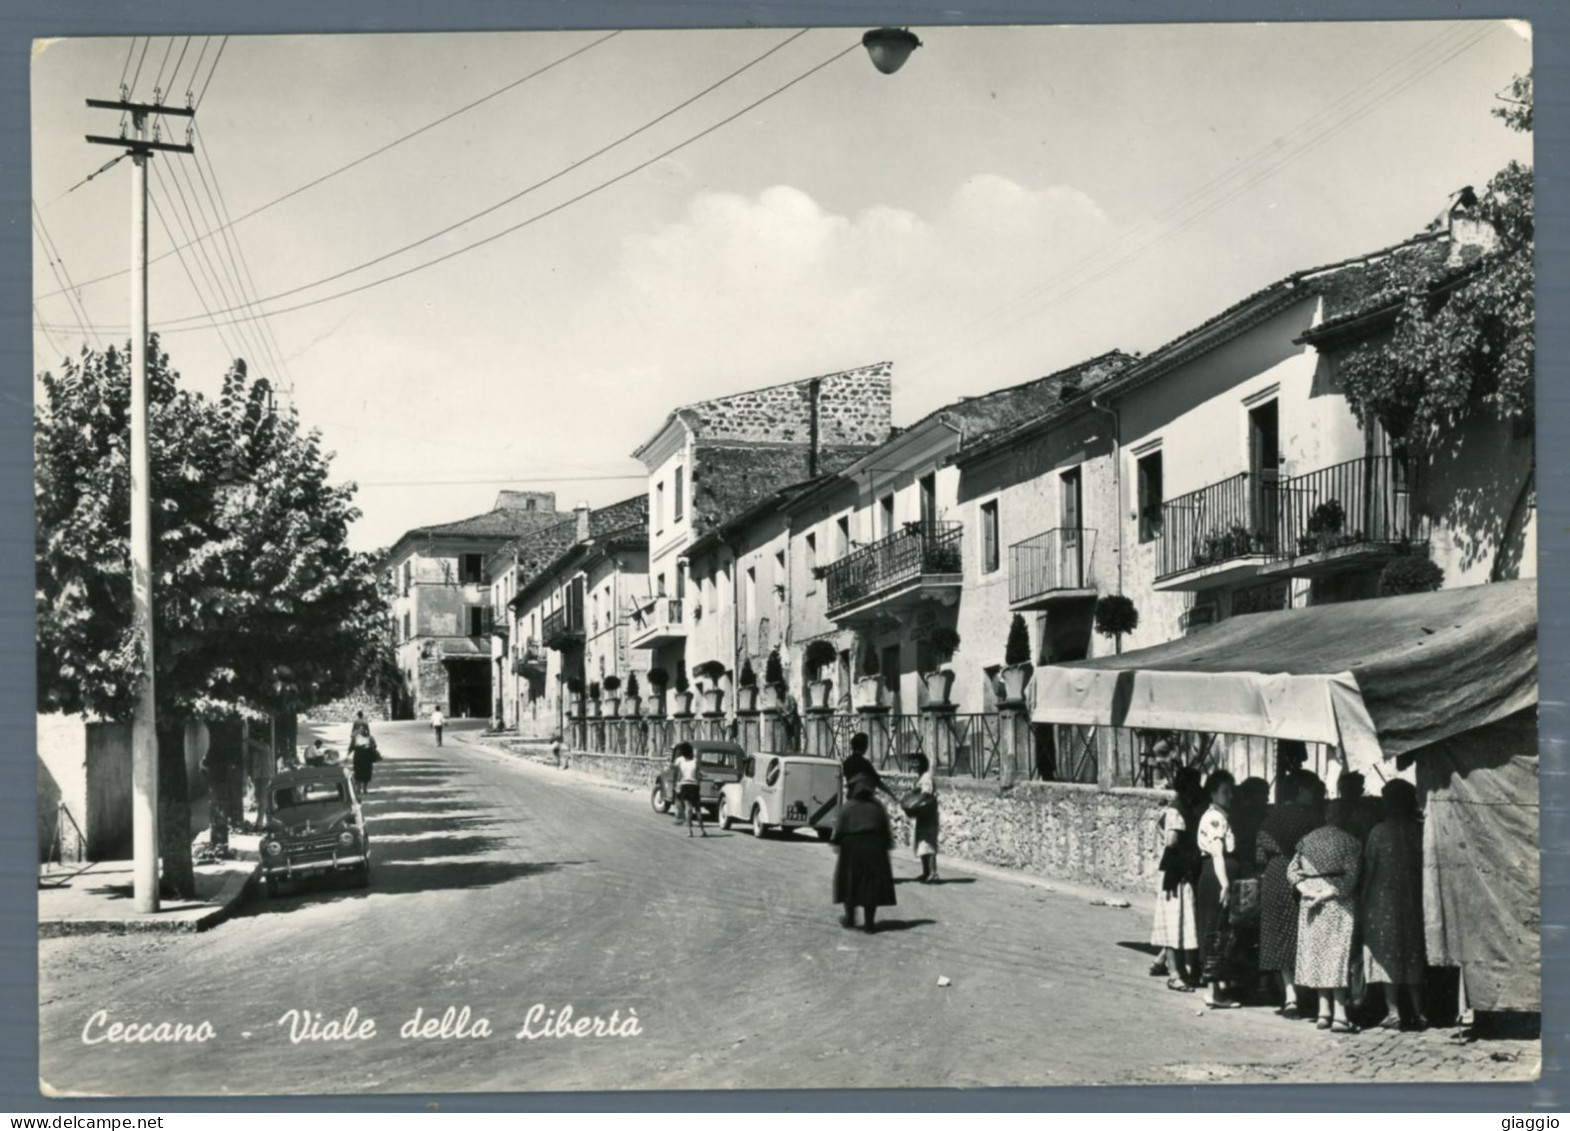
(1071, 566)
(888, 664)
(1264, 467)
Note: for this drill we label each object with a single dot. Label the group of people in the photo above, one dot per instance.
(363, 754)
(1306, 894)
(863, 835)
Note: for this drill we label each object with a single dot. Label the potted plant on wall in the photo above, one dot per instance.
(631, 706)
(746, 689)
(1115, 615)
(869, 688)
(710, 672)
(612, 689)
(575, 692)
(594, 700)
(944, 642)
(683, 706)
(659, 678)
(819, 657)
(1016, 661)
(773, 683)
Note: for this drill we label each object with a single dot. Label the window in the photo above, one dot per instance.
(750, 593)
(929, 500)
(681, 581)
(408, 576)
(886, 516)
(1150, 494)
(677, 496)
(408, 628)
(842, 536)
(659, 508)
(476, 621)
(659, 586)
(989, 537)
(472, 569)
(812, 552)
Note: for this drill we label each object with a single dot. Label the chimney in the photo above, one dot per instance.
(581, 514)
(814, 393)
(1467, 228)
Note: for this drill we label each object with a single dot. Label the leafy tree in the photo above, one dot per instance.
(1410, 575)
(259, 608)
(1450, 355)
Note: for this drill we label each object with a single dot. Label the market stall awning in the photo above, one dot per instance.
(1377, 678)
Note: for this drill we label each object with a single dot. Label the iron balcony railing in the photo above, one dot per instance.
(922, 548)
(1057, 560)
(1361, 502)
(1219, 523)
(563, 626)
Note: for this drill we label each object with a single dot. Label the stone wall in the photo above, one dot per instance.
(854, 407)
(1055, 830)
(343, 710)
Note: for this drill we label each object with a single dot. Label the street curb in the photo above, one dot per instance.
(1107, 898)
(229, 898)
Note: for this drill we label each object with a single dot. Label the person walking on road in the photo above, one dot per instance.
(437, 722)
(858, 765)
(862, 875)
(688, 788)
(924, 820)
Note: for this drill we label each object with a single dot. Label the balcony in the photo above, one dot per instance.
(657, 622)
(1052, 568)
(920, 563)
(1217, 535)
(564, 627)
(1351, 516)
(530, 659)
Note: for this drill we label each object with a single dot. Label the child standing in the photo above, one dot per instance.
(924, 816)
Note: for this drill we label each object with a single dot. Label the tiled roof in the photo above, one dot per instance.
(544, 552)
(493, 526)
(1045, 399)
(1363, 300)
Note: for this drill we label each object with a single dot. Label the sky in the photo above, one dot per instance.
(1012, 201)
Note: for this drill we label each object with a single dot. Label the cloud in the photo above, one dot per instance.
(741, 290)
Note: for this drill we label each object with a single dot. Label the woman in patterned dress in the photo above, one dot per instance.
(1393, 947)
(1277, 842)
(1175, 929)
(1217, 847)
(1324, 870)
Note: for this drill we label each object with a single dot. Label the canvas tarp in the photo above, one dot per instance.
(1376, 678)
(1481, 888)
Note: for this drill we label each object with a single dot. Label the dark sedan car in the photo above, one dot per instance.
(315, 827)
(719, 763)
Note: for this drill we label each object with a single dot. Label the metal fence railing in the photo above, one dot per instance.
(1360, 502)
(1056, 560)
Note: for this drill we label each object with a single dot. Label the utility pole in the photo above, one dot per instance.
(144, 731)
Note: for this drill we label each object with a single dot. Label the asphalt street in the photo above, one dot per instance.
(516, 891)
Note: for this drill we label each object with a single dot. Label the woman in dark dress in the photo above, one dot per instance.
(1288, 823)
(862, 875)
(1218, 849)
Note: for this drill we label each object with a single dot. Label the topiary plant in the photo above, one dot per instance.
(632, 685)
(658, 679)
(774, 670)
(1115, 615)
(747, 677)
(711, 670)
(869, 662)
(594, 690)
(612, 684)
(820, 654)
(1410, 575)
(944, 642)
(682, 686)
(575, 685)
(1017, 650)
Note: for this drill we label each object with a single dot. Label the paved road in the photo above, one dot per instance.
(501, 884)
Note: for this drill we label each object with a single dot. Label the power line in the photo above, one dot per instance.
(212, 70)
(129, 51)
(541, 477)
(196, 69)
(562, 172)
(228, 349)
(138, 76)
(58, 268)
(603, 185)
(158, 79)
(177, 65)
(38, 320)
(381, 149)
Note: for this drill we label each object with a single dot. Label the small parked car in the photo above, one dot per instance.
(719, 763)
(315, 827)
(784, 792)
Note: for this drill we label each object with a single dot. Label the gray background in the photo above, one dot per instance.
(23, 20)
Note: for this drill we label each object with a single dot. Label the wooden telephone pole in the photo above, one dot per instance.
(144, 732)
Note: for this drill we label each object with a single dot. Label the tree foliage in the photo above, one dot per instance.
(259, 604)
(1456, 351)
(1017, 649)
